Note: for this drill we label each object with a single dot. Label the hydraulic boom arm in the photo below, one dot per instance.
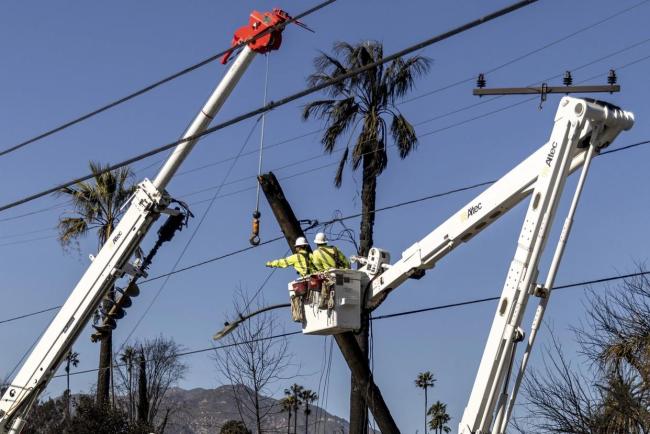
(582, 128)
(262, 34)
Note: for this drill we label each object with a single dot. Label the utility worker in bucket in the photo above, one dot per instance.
(326, 257)
(301, 260)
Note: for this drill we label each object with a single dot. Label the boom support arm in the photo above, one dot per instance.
(261, 35)
(499, 198)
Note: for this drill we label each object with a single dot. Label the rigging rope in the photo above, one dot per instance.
(255, 235)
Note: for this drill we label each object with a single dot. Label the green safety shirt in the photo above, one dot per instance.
(328, 257)
(301, 261)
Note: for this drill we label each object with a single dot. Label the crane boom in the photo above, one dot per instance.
(261, 35)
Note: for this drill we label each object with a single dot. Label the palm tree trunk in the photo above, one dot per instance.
(306, 418)
(106, 346)
(67, 397)
(295, 419)
(289, 423)
(143, 403)
(104, 373)
(358, 404)
(425, 410)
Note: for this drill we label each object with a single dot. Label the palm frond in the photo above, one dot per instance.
(317, 108)
(401, 75)
(70, 229)
(338, 178)
(340, 117)
(97, 204)
(403, 135)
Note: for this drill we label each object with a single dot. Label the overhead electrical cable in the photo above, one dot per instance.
(416, 124)
(387, 316)
(167, 79)
(328, 222)
(283, 101)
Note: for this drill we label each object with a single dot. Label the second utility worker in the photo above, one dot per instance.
(327, 257)
(301, 260)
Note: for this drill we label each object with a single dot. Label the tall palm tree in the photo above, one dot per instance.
(439, 418)
(287, 404)
(97, 205)
(295, 392)
(72, 359)
(128, 358)
(368, 100)
(308, 397)
(424, 381)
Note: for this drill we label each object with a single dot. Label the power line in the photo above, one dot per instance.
(167, 79)
(387, 316)
(27, 315)
(529, 53)
(448, 86)
(616, 52)
(328, 222)
(283, 101)
(483, 300)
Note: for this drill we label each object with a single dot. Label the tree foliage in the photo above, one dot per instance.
(162, 369)
(88, 417)
(256, 363)
(234, 427)
(614, 395)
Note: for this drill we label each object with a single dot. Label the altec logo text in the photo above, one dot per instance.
(551, 154)
(473, 209)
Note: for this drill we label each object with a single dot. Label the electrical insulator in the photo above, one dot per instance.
(567, 79)
(480, 81)
(611, 77)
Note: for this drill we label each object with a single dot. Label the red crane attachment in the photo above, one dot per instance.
(269, 23)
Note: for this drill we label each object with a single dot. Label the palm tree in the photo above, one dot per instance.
(287, 404)
(424, 381)
(439, 418)
(295, 392)
(128, 358)
(97, 206)
(368, 99)
(308, 397)
(72, 359)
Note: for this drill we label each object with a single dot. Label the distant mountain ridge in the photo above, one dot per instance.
(204, 411)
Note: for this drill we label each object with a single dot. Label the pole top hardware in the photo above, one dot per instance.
(545, 89)
(258, 23)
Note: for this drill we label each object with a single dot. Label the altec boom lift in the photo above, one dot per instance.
(582, 128)
(262, 34)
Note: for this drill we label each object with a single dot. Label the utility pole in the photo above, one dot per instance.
(346, 342)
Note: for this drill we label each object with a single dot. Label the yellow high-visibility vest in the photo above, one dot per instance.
(328, 257)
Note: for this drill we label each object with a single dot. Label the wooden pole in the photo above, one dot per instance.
(346, 342)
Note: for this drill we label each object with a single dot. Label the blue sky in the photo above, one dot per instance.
(64, 58)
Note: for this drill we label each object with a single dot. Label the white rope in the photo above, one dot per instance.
(259, 164)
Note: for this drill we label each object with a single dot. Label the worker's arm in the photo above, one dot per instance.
(282, 263)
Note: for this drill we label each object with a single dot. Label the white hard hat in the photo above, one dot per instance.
(320, 238)
(301, 241)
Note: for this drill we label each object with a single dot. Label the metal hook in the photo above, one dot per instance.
(255, 235)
